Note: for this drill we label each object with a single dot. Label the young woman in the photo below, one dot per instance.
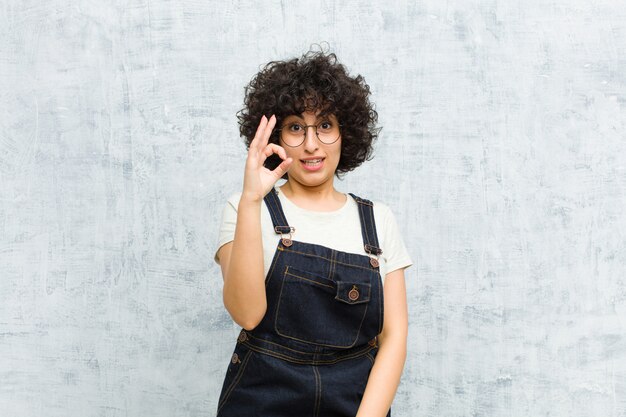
(303, 263)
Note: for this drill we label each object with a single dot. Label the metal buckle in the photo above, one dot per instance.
(285, 240)
(376, 252)
(373, 249)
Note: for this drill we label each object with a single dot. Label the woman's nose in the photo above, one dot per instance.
(310, 139)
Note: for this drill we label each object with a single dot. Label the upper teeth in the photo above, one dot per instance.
(313, 161)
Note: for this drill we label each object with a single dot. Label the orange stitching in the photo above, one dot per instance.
(332, 265)
(272, 266)
(272, 213)
(363, 225)
(288, 348)
(232, 386)
(366, 297)
(280, 298)
(308, 341)
(279, 207)
(307, 279)
(282, 356)
(281, 215)
(324, 344)
(318, 391)
(368, 268)
(373, 224)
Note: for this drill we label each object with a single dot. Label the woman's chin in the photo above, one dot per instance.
(311, 180)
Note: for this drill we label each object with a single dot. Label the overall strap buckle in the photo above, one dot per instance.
(368, 229)
(284, 230)
(376, 252)
(279, 221)
(373, 250)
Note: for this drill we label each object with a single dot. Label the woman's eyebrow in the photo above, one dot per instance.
(318, 118)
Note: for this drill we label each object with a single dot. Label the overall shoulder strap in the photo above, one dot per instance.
(368, 225)
(276, 213)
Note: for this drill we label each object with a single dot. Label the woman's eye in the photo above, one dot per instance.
(295, 127)
(325, 125)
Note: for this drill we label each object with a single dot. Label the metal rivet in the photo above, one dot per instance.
(242, 337)
(235, 358)
(374, 262)
(372, 342)
(287, 242)
(353, 295)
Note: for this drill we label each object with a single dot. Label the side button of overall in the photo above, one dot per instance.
(243, 336)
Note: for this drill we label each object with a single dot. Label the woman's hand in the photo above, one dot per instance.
(258, 180)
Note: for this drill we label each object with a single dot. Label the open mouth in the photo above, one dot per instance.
(312, 164)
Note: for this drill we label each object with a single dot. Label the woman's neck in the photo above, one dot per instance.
(321, 198)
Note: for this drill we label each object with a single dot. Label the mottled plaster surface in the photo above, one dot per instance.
(502, 154)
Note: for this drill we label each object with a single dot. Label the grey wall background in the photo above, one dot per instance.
(502, 154)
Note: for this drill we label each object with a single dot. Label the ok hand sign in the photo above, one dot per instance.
(258, 180)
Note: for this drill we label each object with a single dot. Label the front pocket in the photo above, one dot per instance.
(238, 363)
(315, 309)
(353, 292)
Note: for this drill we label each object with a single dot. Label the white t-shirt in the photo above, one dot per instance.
(339, 230)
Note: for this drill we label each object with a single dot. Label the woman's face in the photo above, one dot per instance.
(314, 162)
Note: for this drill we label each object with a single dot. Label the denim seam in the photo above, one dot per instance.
(232, 386)
(373, 224)
(364, 299)
(363, 224)
(288, 348)
(370, 357)
(284, 357)
(326, 344)
(272, 266)
(268, 203)
(331, 270)
(328, 259)
(278, 207)
(275, 218)
(280, 297)
(318, 391)
(307, 279)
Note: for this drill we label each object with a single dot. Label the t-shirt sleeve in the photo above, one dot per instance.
(229, 221)
(394, 251)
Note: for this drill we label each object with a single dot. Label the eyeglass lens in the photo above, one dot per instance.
(293, 134)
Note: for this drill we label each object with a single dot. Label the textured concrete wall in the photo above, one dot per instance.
(503, 154)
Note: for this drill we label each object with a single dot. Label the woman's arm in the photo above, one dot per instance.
(385, 375)
(242, 259)
(242, 268)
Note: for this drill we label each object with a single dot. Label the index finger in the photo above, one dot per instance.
(268, 131)
(255, 142)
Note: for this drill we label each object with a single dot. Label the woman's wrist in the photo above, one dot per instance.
(250, 199)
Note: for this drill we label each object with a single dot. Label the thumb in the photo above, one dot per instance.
(284, 166)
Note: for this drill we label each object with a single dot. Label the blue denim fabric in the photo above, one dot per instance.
(312, 353)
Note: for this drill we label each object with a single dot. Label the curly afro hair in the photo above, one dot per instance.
(315, 81)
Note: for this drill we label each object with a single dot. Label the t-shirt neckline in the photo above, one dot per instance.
(284, 200)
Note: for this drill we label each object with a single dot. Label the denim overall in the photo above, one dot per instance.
(312, 353)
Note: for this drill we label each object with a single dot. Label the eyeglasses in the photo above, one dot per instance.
(293, 134)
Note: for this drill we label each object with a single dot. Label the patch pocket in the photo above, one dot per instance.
(318, 310)
(353, 292)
